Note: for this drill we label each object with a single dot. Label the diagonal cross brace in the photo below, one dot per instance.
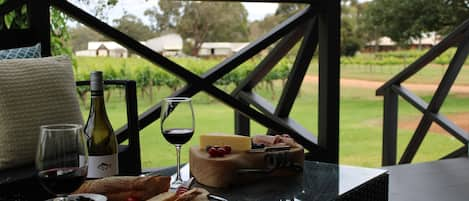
(205, 82)
(438, 98)
(298, 72)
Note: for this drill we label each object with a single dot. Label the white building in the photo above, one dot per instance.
(220, 48)
(383, 41)
(105, 49)
(427, 40)
(166, 45)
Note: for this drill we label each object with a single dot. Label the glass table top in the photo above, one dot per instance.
(318, 182)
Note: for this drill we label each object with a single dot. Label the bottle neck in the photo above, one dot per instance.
(97, 100)
(96, 93)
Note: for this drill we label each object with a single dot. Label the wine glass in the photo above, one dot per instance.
(177, 126)
(61, 159)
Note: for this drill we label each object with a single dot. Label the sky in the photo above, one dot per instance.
(256, 11)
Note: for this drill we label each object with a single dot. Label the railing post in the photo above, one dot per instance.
(242, 123)
(39, 19)
(329, 80)
(134, 167)
(390, 113)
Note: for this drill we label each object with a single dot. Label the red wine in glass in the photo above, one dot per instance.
(177, 127)
(62, 180)
(178, 135)
(61, 159)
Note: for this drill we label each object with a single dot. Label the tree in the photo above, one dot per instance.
(81, 35)
(284, 11)
(261, 27)
(17, 19)
(59, 33)
(214, 21)
(350, 41)
(402, 20)
(351, 34)
(165, 18)
(134, 27)
(98, 8)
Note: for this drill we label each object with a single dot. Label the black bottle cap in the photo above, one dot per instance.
(96, 81)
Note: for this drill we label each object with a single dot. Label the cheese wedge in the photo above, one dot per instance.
(238, 143)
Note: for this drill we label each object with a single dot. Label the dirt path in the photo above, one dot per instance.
(375, 84)
(460, 119)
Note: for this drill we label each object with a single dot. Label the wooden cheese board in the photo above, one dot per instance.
(244, 167)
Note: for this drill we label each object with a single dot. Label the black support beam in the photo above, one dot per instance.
(329, 80)
(460, 152)
(390, 114)
(38, 14)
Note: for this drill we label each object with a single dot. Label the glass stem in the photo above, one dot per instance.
(178, 163)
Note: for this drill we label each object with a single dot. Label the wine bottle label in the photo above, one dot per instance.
(102, 166)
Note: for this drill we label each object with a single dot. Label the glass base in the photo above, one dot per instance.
(73, 197)
(185, 175)
(58, 199)
(175, 184)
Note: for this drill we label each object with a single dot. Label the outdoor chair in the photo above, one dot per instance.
(129, 154)
(16, 179)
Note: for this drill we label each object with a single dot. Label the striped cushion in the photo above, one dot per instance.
(33, 92)
(22, 52)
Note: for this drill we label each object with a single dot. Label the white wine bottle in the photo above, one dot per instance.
(102, 142)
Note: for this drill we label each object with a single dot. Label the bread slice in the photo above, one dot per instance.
(195, 194)
(120, 188)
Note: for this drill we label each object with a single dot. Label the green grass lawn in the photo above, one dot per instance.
(360, 121)
(361, 129)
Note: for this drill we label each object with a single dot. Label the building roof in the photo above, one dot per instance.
(226, 45)
(166, 42)
(383, 41)
(427, 39)
(110, 45)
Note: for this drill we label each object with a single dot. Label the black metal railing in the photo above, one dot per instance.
(317, 25)
(392, 89)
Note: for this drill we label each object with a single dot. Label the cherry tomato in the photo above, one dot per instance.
(222, 150)
(214, 152)
(227, 149)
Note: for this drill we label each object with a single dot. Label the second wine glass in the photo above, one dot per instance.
(177, 126)
(61, 159)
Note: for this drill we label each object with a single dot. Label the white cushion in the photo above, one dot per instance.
(33, 92)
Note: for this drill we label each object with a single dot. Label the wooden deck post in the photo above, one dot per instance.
(39, 16)
(329, 79)
(390, 112)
